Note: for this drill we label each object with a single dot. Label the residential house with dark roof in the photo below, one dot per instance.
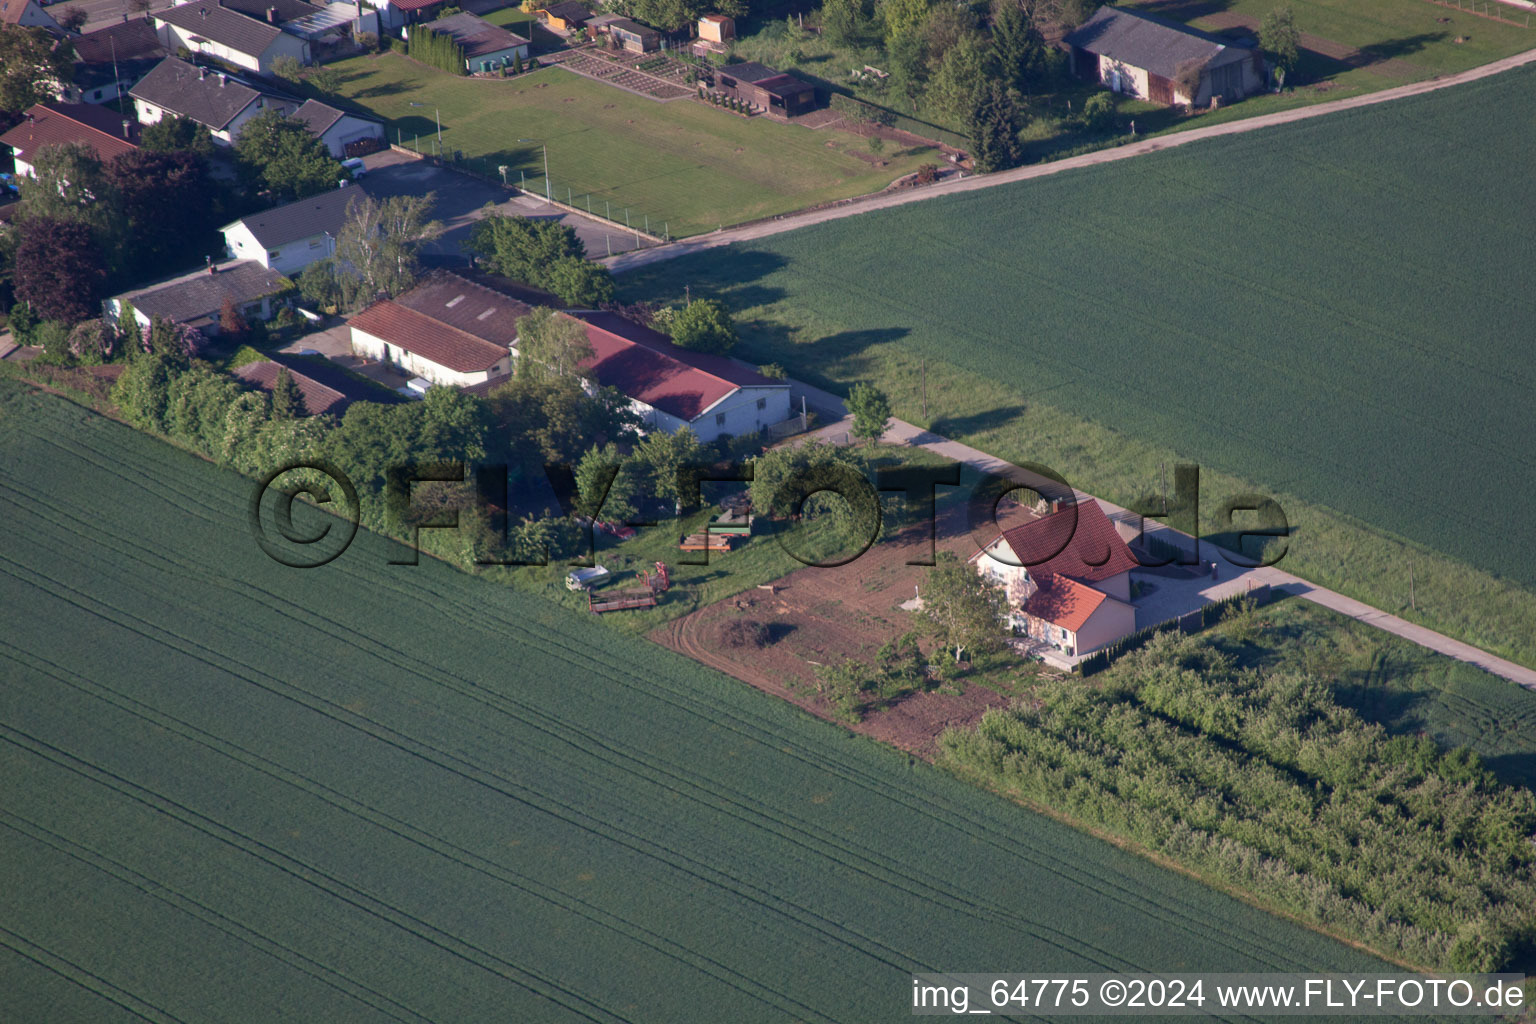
(28, 14)
(196, 299)
(448, 330)
(1067, 576)
(566, 16)
(105, 131)
(290, 237)
(319, 399)
(219, 101)
(486, 47)
(671, 388)
(1141, 55)
(111, 60)
(631, 35)
(340, 130)
(776, 92)
(208, 27)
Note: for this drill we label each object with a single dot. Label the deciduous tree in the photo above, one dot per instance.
(550, 345)
(279, 154)
(58, 269)
(177, 134)
(962, 607)
(1280, 39)
(379, 243)
(704, 325)
(30, 64)
(167, 203)
(871, 410)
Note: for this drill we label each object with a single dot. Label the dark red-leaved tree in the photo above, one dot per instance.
(59, 269)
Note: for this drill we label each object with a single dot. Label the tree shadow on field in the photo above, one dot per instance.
(1186, 10)
(1515, 769)
(732, 275)
(1392, 48)
(962, 426)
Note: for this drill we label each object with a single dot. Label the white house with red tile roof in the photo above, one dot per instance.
(1067, 576)
(671, 388)
(424, 346)
(104, 130)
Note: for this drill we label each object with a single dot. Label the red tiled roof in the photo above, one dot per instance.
(1064, 602)
(318, 399)
(643, 369)
(1084, 546)
(56, 124)
(416, 332)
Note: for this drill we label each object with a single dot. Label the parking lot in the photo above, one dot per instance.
(461, 200)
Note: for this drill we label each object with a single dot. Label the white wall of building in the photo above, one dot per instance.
(148, 113)
(1123, 78)
(1110, 621)
(349, 129)
(371, 347)
(285, 45)
(287, 259)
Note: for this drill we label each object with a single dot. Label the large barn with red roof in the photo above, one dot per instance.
(1067, 576)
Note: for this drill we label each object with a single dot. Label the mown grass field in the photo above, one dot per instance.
(1327, 312)
(237, 791)
(685, 166)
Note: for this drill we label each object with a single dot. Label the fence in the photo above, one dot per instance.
(1190, 622)
(620, 216)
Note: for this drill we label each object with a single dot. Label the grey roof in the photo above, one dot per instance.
(471, 307)
(198, 296)
(320, 116)
(567, 10)
(1151, 43)
(626, 25)
(128, 51)
(286, 10)
(477, 36)
(204, 96)
(222, 25)
(302, 218)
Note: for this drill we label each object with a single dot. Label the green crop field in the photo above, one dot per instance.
(236, 791)
(1334, 312)
(684, 165)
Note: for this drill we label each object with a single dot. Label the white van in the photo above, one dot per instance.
(355, 167)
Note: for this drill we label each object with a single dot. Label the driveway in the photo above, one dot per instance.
(461, 200)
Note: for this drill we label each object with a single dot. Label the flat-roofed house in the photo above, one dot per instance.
(762, 86)
(209, 27)
(105, 131)
(632, 35)
(1141, 55)
(1067, 578)
(220, 102)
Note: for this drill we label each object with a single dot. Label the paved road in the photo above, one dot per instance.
(886, 200)
(1232, 579)
(101, 13)
(461, 200)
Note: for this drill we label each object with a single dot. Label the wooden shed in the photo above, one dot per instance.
(774, 91)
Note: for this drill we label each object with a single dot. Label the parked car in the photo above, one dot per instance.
(585, 579)
(355, 167)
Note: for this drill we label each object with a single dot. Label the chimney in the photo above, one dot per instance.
(211, 268)
(126, 123)
(272, 15)
(202, 73)
(222, 79)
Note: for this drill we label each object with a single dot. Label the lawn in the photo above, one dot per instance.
(682, 167)
(1327, 312)
(237, 791)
